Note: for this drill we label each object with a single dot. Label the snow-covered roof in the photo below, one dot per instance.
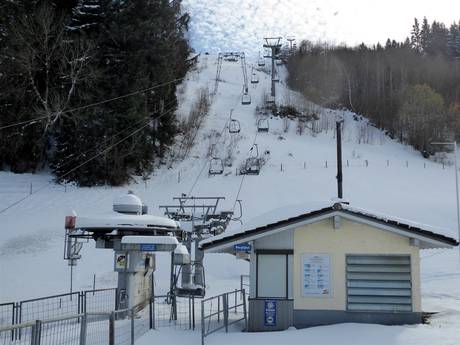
(290, 215)
(116, 220)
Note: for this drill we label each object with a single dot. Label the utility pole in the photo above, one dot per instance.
(273, 43)
(454, 144)
(339, 159)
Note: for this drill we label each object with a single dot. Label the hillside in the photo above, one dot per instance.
(381, 175)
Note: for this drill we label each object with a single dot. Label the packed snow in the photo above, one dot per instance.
(379, 174)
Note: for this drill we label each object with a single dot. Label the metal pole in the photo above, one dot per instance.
(273, 93)
(71, 278)
(339, 160)
(112, 329)
(202, 323)
(245, 311)
(456, 184)
(225, 306)
(83, 329)
(132, 326)
(456, 189)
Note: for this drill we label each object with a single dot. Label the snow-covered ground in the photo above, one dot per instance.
(396, 180)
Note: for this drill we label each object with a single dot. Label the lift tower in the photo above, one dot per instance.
(273, 43)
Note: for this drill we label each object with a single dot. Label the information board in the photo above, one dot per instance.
(316, 275)
(270, 313)
(148, 247)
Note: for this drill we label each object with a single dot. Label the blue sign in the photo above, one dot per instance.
(270, 313)
(148, 247)
(242, 247)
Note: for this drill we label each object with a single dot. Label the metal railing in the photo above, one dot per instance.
(177, 313)
(120, 327)
(219, 312)
(54, 306)
(244, 282)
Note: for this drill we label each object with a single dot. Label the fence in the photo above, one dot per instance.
(178, 313)
(57, 305)
(244, 282)
(120, 327)
(219, 312)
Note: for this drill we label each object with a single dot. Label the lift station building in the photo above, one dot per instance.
(332, 263)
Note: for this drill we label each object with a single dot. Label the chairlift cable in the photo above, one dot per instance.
(94, 104)
(107, 140)
(45, 186)
(218, 139)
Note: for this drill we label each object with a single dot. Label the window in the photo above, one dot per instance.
(379, 283)
(274, 274)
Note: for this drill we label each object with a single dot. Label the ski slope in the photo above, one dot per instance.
(396, 180)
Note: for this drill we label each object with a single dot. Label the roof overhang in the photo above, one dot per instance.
(424, 238)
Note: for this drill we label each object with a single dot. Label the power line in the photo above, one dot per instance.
(87, 161)
(94, 104)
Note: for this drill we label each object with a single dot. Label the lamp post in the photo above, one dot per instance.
(456, 182)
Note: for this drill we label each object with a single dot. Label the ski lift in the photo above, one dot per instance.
(278, 62)
(245, 99)
(234, 125)
(254, 78)
(270, 100)
(262, 125)
(261, 61)
(252, 165)
(216, 166)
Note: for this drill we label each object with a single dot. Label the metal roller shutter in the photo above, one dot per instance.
(379, 283)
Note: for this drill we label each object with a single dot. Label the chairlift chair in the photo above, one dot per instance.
(262, 125)
(261, 62)
(254, 78)
(279, 62)
(252, 166)
(270, 100)
(216, 166)
(234, 126)
(245, 99)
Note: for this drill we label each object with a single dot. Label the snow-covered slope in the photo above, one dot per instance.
(381, 175)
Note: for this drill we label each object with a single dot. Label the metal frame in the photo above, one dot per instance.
(225, 312)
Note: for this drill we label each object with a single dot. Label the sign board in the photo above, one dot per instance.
(121, 261)
(147, 247)
(316, 275)
(269, 313)
(242, 255)
(242, 247)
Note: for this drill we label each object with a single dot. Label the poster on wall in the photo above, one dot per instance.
(316, 275)
(121, 261)
(270, 313)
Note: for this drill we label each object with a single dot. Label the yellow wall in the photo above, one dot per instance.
(350, 238)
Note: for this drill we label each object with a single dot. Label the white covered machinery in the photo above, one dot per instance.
(133, 235)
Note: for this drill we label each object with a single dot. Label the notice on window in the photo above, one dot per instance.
(316, 275)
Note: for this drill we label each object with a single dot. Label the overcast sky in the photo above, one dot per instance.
(219, 25)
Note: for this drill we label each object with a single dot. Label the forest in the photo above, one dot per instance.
(410, 89)
(87, 87)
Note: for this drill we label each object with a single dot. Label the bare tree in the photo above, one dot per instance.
(53, 63)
